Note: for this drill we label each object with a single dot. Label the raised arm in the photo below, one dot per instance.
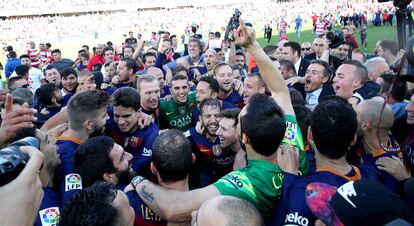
(171, 205)
(245, 36)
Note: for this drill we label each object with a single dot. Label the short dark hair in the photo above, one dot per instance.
(91, 206)
(212, 83)
(24, 56)
(296, 97)
(12, 54)
(92, 159)
(264, 124)
(259, 78)
(12, 81)
(86, 105)
(48, 45)
(217, 50)
(171, 154)
(217, 34)
(127, 97)
(21, 70)
(144, 58)
(294, 46)
(330, 114)
(56, 51)
(179, 69)
(85, 46)
(68, 71)
(390, 45)
(131, 64)
(231, 113)
(387, 78)
(303, 116)
(327, 72)
(289, 65)
(270, 49)
(240, 53)
(50, 67)
(213, 103)
(399, 90)
(45, 93)
(108, 48)
(179, 77)
(129, 47)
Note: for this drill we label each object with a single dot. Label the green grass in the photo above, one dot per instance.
(374, 34)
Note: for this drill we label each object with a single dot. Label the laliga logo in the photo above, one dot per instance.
(290, 133)
(73, 181)
(50, 216)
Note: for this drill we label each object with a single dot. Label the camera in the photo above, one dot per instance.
(233, 24)
(336, 38)
(13, 161)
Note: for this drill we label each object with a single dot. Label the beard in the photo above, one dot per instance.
(97, 132)
(125, 176)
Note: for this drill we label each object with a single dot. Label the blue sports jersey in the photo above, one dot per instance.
(155, 115)
(143, 214)
(66, 99)
(370, 159)
(49, 210)
(196, 111)
(70, 182)
(310, 154)
(215, 162)
(234, 98)
(293, 210)
(139, 144)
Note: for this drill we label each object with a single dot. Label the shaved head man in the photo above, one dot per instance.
(368, 115)
(157, 73)
(226, 211)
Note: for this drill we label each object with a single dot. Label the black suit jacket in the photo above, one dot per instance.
(303, 67)
(334, 61)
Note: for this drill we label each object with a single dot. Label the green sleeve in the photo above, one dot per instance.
(293, 137)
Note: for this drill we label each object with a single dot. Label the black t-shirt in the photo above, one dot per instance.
(130, 41)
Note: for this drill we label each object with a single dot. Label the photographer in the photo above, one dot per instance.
(20, 199)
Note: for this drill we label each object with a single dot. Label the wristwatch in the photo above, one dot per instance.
(136, 180)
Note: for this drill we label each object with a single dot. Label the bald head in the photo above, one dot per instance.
(227, 211)
(370, 110)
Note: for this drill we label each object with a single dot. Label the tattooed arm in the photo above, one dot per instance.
(171, 205)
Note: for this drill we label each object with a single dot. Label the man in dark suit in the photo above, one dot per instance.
(321, 50)
(291, 51)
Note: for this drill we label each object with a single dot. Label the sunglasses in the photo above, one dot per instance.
(307, 49)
